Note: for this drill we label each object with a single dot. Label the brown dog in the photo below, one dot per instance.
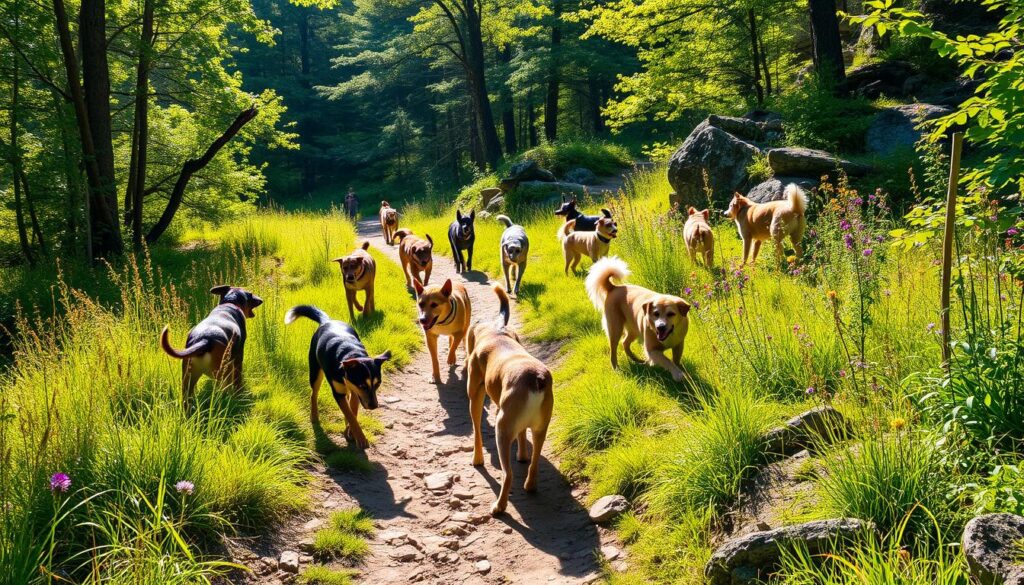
(774, 220)
(416, 255)
(444, 310)
(593, 244)
(521, 387)
(220, 335)
(358, 270)
(698, 236)
(660, 319)
(388, 221)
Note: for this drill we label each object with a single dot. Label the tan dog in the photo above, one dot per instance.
(773, 221)
(698, 236)
(444, 310)
(593, 244)
(358, 270)
(416, 255)
(521, 387)
(388, 221)
(660, 319)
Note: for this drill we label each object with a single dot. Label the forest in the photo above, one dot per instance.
(845, 408)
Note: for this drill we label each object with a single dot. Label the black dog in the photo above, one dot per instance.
(336, 353)
(462, 235)
(584, 223)
(221, 334)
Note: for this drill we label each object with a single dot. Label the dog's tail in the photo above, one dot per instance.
(307, 311)
(797, 198)
(165, 342)
(567, 227)
(599, 279)
(505, 220)
(504, 311)
(401, 234)
(366, 245)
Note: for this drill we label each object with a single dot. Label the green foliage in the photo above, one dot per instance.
(600, 156)
(759, 170)
(321, 575)
(815, 117)
(344, 536)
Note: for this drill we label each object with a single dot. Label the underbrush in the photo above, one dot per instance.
(104, 477)
(602, 157)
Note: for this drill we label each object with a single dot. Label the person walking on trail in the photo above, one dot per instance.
(351, 203)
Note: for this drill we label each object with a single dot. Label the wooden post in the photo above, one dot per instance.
(947, 242)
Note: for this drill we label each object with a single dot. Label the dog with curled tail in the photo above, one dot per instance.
(775, 220)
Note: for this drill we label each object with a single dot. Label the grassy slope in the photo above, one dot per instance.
(755, 346)
(92, 396)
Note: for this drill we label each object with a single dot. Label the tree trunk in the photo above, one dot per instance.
(531, 122)
(92, 39)
(758, 88)
(304, 40)
(193, 166)
(825, 41)
(551, 101)
(140, 130)
(508, 115)
(15, 159)
(764, 67)
(478, 87)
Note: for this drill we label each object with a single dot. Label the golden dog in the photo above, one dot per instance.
(698, 236)
(521, 387)
(593, 244)
(660, 319)
(416, 255)
(388, 221)
(358, 270)
(773, 221)
(444, 310)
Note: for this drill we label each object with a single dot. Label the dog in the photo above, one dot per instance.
(661, 321)
(520, 385)
(416, 256)
(698, 236)
(359, 271)
(515, 252)
(220, 336)
(593, 244)
(388, 221)
(337, 355)
(443, 310)
(584, 223)
(757, 222)
(461, 235)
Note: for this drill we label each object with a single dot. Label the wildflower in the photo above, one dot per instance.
(185, 487)
(930, 326)
(867, 252)
(848, 240)
(60, 482)
(897, 423)
(844, 225)
(1012, 232)
(769, 337)
(696, 304)
(739, 311)
(791, 259)
(887, 293)
(841, 373)
(831, 295)
(810, 391)
(687, 291)
(796, 328)
(904, 555)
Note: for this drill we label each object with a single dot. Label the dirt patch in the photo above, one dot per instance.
(430, 505)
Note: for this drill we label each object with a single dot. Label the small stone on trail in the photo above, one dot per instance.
(609, 552)
(439, 481)
(392, 399)
(461, 517)
(312, 524)
(483, 567)
(608, 508)
(289, 562)
(404, 554)
(455, 503)
(462, 494)
(393, 536)
(507, 530)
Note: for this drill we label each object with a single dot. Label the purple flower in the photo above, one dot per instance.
(1012, 232)
(796, 328)
(868, 252)
(810, 391)
(696, 304)
(858, 201)
(185, 487)
(687, 291)
(845, 225)
(930, 326)
(60, 482)
(848, 240)
(842, 373)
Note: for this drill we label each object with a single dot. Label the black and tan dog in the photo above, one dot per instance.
(337, 355)
(359, 271)
(584, 223)
(660, 321)
(416, 255)
(521, 387)
(218, 337)
(388, 221)
(444, 310)
(461, 236)
(594, 245)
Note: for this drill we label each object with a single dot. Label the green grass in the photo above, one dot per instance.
(344, 536)
(321, 575)
(90, 394)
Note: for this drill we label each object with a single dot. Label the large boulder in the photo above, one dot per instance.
(897, 127)
(822, 423)
(807, 162)
(724, 157)
(526, 170)
(876, 79)
(990, 543)
(773, 189)
(581, 175)
(754, 556)
(489, 194)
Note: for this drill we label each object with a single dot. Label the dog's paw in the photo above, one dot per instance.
(497, 509)
(478, 460)
(677, 376)
(530, 486)
(452, 361)
(435, 378)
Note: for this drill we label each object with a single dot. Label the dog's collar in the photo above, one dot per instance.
(451, 313)
(235, 305)
(604, 239)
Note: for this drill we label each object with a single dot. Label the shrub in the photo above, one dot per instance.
(321, 575)
(604, 158)
(604, 411)
(815, 117)
(759, 170)
(344, 535)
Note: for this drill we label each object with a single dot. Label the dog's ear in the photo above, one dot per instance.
(691, 210)
(383, 357)
(351, 363)
(472, 215)
(220, 290)
(684, 307)
(606, 213)
(431, 240)
(385, 204)
(254, 301)
(446, 288)
(706, 213)
(417, 286)
(647, 306)
(562, 195)
(339, 259)
(458, 214)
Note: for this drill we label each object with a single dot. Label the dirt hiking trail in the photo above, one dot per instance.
(430, 505)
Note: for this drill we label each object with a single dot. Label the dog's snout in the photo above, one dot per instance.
(660, 326)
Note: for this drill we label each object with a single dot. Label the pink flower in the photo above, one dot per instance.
(185, 487)
(60, 482)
